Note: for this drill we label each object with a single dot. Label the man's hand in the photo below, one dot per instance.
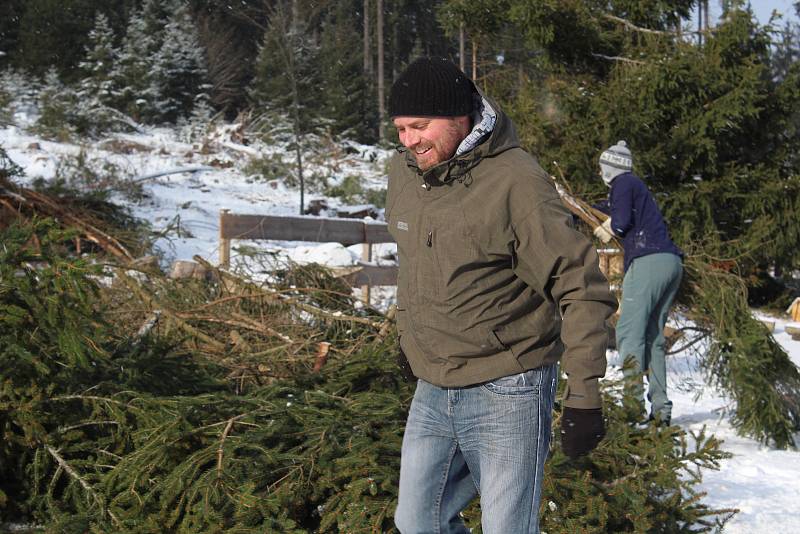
(581, 430)
(604, 232)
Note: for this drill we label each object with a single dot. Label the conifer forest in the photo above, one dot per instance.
(267, 397)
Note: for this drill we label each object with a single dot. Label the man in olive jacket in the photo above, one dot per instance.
(495, 287)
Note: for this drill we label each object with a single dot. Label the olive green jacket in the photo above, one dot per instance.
(493, 278)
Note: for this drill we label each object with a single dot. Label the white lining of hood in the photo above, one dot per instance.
(482, 128)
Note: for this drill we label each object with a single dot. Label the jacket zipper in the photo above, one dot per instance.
(430, 238)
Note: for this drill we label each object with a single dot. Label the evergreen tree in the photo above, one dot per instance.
(712, 111)
(481, 20)
(787, 49)
(130, 72)
(288, 77)
(178, 72)
(197, 124)
(101, 55)
(22, 92)
(57, 103)
(287, 73)
(134, 92)
(346, 96)
(56, 33)
(10, 13)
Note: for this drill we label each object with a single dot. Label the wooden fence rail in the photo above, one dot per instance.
(315, 229)
(347, 232)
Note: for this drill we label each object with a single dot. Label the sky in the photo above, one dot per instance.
(762, 8)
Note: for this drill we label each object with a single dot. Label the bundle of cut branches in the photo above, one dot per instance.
(17, 202)
(116, 418)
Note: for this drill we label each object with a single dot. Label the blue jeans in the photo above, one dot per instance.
(490, 440)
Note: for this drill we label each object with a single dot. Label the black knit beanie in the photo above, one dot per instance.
(431, 87)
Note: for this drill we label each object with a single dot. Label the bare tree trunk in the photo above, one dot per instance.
(297, 142)
(705, 7)
(461, 47)
(367, 48)
(700, 22)
(474, 59)
(296, 104)
(379, 31)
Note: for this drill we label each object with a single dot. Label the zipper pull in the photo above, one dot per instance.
(430, 239)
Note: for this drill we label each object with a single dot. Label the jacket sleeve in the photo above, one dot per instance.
(621, 208)
(604, 206)
(561, 264)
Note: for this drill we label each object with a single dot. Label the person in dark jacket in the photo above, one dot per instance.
(495, 286)
(653, 270)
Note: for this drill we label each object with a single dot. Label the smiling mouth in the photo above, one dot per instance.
(423, 151)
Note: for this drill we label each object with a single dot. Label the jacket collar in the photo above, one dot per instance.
(492, 134)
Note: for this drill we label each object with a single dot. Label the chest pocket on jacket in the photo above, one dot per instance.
(450, 258)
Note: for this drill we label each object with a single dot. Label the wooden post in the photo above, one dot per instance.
(224, 243)
(366, 256)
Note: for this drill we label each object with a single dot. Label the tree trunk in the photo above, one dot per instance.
(379, 31)
(296, 104)
(367, 48)
(461, 48)
(297, 142)
(474, 60)
(700, 22)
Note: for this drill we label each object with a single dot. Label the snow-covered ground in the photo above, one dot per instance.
(763, 483)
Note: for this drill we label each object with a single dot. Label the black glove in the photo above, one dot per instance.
(405, 367)
(581, 430)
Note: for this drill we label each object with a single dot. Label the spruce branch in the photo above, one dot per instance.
(151, 301)
(294, 301)
(223, 437)
(86, 486)
(239, 322)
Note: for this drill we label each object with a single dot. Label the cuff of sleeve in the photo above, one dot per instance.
(584, 395)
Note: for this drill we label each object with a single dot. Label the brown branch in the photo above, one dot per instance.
(387, 324)
(619, 58)
(71, 472)
(591, 216)
(225, 433)
(634, 27)
(240, 322)
(61, 430)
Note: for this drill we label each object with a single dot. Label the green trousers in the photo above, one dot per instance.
(648, 289)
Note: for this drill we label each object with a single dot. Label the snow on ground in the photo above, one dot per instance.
(186, 206)
(763, 483)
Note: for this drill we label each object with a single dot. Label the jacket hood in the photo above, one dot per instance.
(493, 133)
